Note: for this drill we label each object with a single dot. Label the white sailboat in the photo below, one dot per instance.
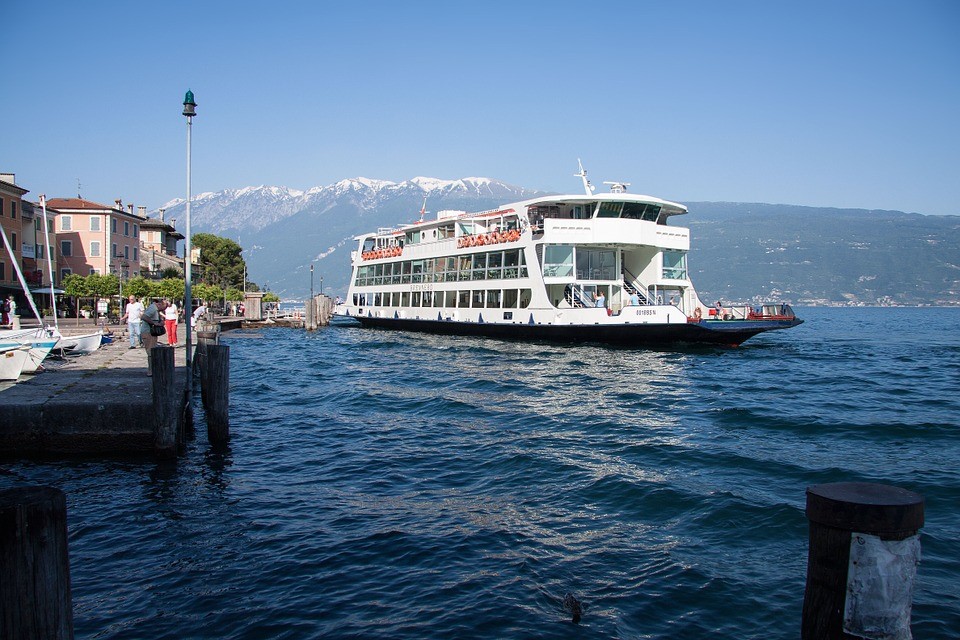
(12, 359)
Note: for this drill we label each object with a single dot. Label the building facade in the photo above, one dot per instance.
(96, 238)
(158, 245)
(11, 203)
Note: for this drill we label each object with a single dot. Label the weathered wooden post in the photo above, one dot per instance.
(35, 600)
(204, 338)
(165, 411)
(864, 551)
(217, 378)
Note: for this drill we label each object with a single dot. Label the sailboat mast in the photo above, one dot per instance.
(23, 282)
(46, 240)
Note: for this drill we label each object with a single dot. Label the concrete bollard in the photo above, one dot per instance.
(864, 551)
(165, 410)
(35, 600)
(216, 379)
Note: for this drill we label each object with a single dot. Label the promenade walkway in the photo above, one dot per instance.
(97, 403)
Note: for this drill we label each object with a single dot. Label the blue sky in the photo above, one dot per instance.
(842, 103)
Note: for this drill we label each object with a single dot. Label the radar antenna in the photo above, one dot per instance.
(618, 187)
(589, 188)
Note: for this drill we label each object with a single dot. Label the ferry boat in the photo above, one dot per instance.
(593, 267)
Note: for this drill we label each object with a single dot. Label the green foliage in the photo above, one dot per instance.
(221, 262)
(103, 286)
(234, 294)
(206, 292)
(271, 297)
(75, 285)
(138, 286)
(171, 272)
(172, 288)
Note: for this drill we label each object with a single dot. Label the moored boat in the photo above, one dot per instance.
(12, 359)
(82, 344)
(588, 267)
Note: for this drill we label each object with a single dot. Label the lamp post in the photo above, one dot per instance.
(189, 110)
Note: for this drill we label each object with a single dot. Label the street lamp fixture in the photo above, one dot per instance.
(189, 110)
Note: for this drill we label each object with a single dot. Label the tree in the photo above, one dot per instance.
(220, 260)
(234, 295)
(270, 296)
(173, 289)
(207, 292)
(75, 286)
(102, 286)
(137, 286)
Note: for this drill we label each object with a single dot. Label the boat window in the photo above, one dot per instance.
(493, 299)
(415, 299)
(633, 210)
(476, 300)
(510, 298)
(451, 299)
(596, 264)
(446, 231)
(463, 299)
(558, 260)
(609, 209)
(675, 265)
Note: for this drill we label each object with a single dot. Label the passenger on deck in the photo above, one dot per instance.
(601, 300)
(634, 299)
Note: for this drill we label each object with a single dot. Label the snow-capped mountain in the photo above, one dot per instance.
(740, 249)
(284, 230)
(234, 211)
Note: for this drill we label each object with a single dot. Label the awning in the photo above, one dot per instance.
(44, 289)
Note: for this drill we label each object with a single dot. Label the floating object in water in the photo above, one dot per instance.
(574, 607)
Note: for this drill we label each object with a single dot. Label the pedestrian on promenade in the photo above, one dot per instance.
(151, 318)
(198, 313)
(131, 316)
(171, 315)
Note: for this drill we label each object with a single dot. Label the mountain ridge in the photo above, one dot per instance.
(808, 255)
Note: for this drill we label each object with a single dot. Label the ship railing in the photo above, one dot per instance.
(632, 284)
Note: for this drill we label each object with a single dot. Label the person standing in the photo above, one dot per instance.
(171, 315)
(131, 315)
(151, 318)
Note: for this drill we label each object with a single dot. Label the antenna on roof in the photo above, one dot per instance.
(78, 189)
(618, 187)
(583, 176)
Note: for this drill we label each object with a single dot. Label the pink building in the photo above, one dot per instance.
(96, 238)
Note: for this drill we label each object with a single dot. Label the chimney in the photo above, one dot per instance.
(142, 211)
(119, 203)
(130, 208)
(161, 214)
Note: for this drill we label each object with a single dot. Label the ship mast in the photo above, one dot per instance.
(587, 187)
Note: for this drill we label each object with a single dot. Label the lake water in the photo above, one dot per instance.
(410, 486)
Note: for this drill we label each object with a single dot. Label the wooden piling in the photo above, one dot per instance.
(864, 548)
(205, 337)
(216, 378)
(165, 409)
(35, 599)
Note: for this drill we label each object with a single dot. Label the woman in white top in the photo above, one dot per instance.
(170, 317)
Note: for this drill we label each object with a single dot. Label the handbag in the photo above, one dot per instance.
(157, 330)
